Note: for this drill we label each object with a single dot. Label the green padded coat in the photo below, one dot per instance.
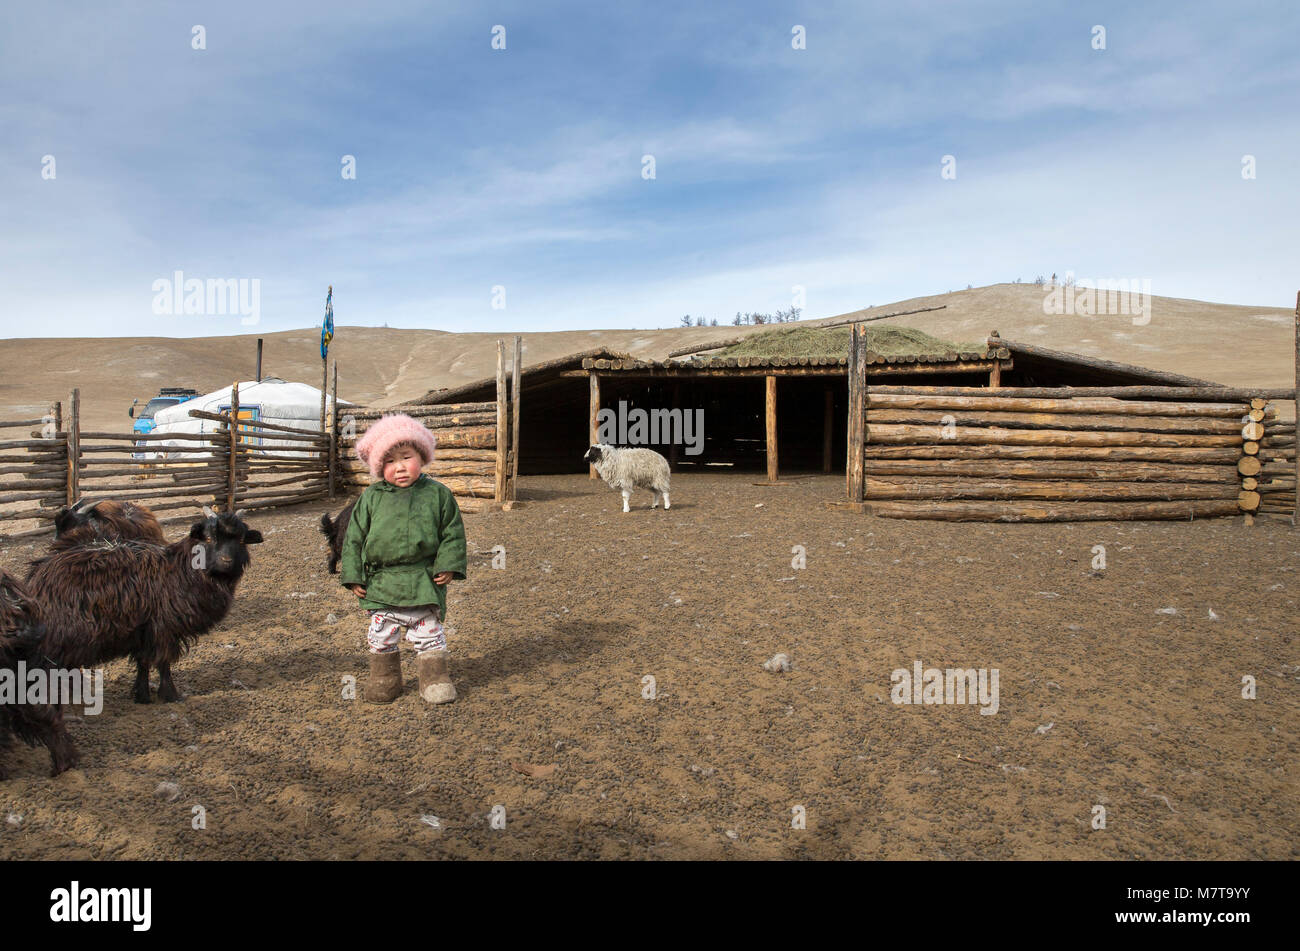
(398, 539)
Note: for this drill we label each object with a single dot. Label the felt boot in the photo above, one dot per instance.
(435, 680)
(385, 681)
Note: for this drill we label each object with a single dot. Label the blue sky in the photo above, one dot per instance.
(522, 167)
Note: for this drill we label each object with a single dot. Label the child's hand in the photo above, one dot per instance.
(442, 577)
(358, 590)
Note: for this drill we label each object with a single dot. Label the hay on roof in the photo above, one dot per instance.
(834, 342)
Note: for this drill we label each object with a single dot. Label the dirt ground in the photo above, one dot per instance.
(1104, 700)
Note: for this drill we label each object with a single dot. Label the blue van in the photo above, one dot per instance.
(168, 396)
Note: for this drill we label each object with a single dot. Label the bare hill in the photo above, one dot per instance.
(381, 366)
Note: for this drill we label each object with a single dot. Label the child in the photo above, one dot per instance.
(404, 543)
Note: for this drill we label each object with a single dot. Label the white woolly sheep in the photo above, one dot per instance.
(625, 469)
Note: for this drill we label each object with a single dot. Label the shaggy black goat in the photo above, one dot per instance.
(80, 523)
(130, 598)
(20, 639)
(336, 531)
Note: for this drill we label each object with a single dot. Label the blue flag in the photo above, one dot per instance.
(327, 328)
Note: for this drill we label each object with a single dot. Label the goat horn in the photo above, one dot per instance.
(208, 512)
(239, 513)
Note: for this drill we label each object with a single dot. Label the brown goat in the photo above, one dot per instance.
(336, 531)
(80, 523)
(20, 638)
(117, 598)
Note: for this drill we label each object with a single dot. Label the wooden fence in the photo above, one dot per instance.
(1069, 453)
(258, 465)
(245, 463)
(49, 462)
(34, 473)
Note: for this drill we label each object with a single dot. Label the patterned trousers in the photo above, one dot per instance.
(422, 626)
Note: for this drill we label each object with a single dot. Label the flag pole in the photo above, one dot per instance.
(324, 353)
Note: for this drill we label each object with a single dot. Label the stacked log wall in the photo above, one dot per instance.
(1126, 453)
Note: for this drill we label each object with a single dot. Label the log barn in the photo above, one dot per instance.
(1002, 431)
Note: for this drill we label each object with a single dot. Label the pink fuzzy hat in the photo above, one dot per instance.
(385, 433)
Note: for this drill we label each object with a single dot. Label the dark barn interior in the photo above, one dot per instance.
(553, 426)
(553, 429)
(734, 426)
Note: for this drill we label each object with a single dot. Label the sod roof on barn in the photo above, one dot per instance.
(834, 342)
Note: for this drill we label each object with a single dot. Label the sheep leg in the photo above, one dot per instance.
(666, 503)
(141, 691)
(49, 726)
(43, 723)
(167, 691)
(655, 503)
(626, 495)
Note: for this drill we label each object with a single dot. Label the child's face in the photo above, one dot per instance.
(402, 466)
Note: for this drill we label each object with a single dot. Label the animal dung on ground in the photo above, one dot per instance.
(779, 664)
(168, 791)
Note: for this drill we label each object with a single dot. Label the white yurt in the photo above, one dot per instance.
(271, 400)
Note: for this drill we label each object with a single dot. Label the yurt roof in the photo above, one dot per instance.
(283, 399)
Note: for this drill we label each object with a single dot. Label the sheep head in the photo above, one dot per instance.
(224, 540)
(73, 516)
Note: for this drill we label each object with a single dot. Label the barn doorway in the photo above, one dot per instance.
(733, 413)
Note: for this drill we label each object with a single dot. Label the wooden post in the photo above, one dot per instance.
(334, 428)
(595, 415)
(503, 436)
(857, 414)
(771, 429)
(324, 387)
(1295, 514)
(74, 447)
(515, 386)
(848, 450)
(259, 359)
(672, 446)
(828, 421)
(234, 446)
